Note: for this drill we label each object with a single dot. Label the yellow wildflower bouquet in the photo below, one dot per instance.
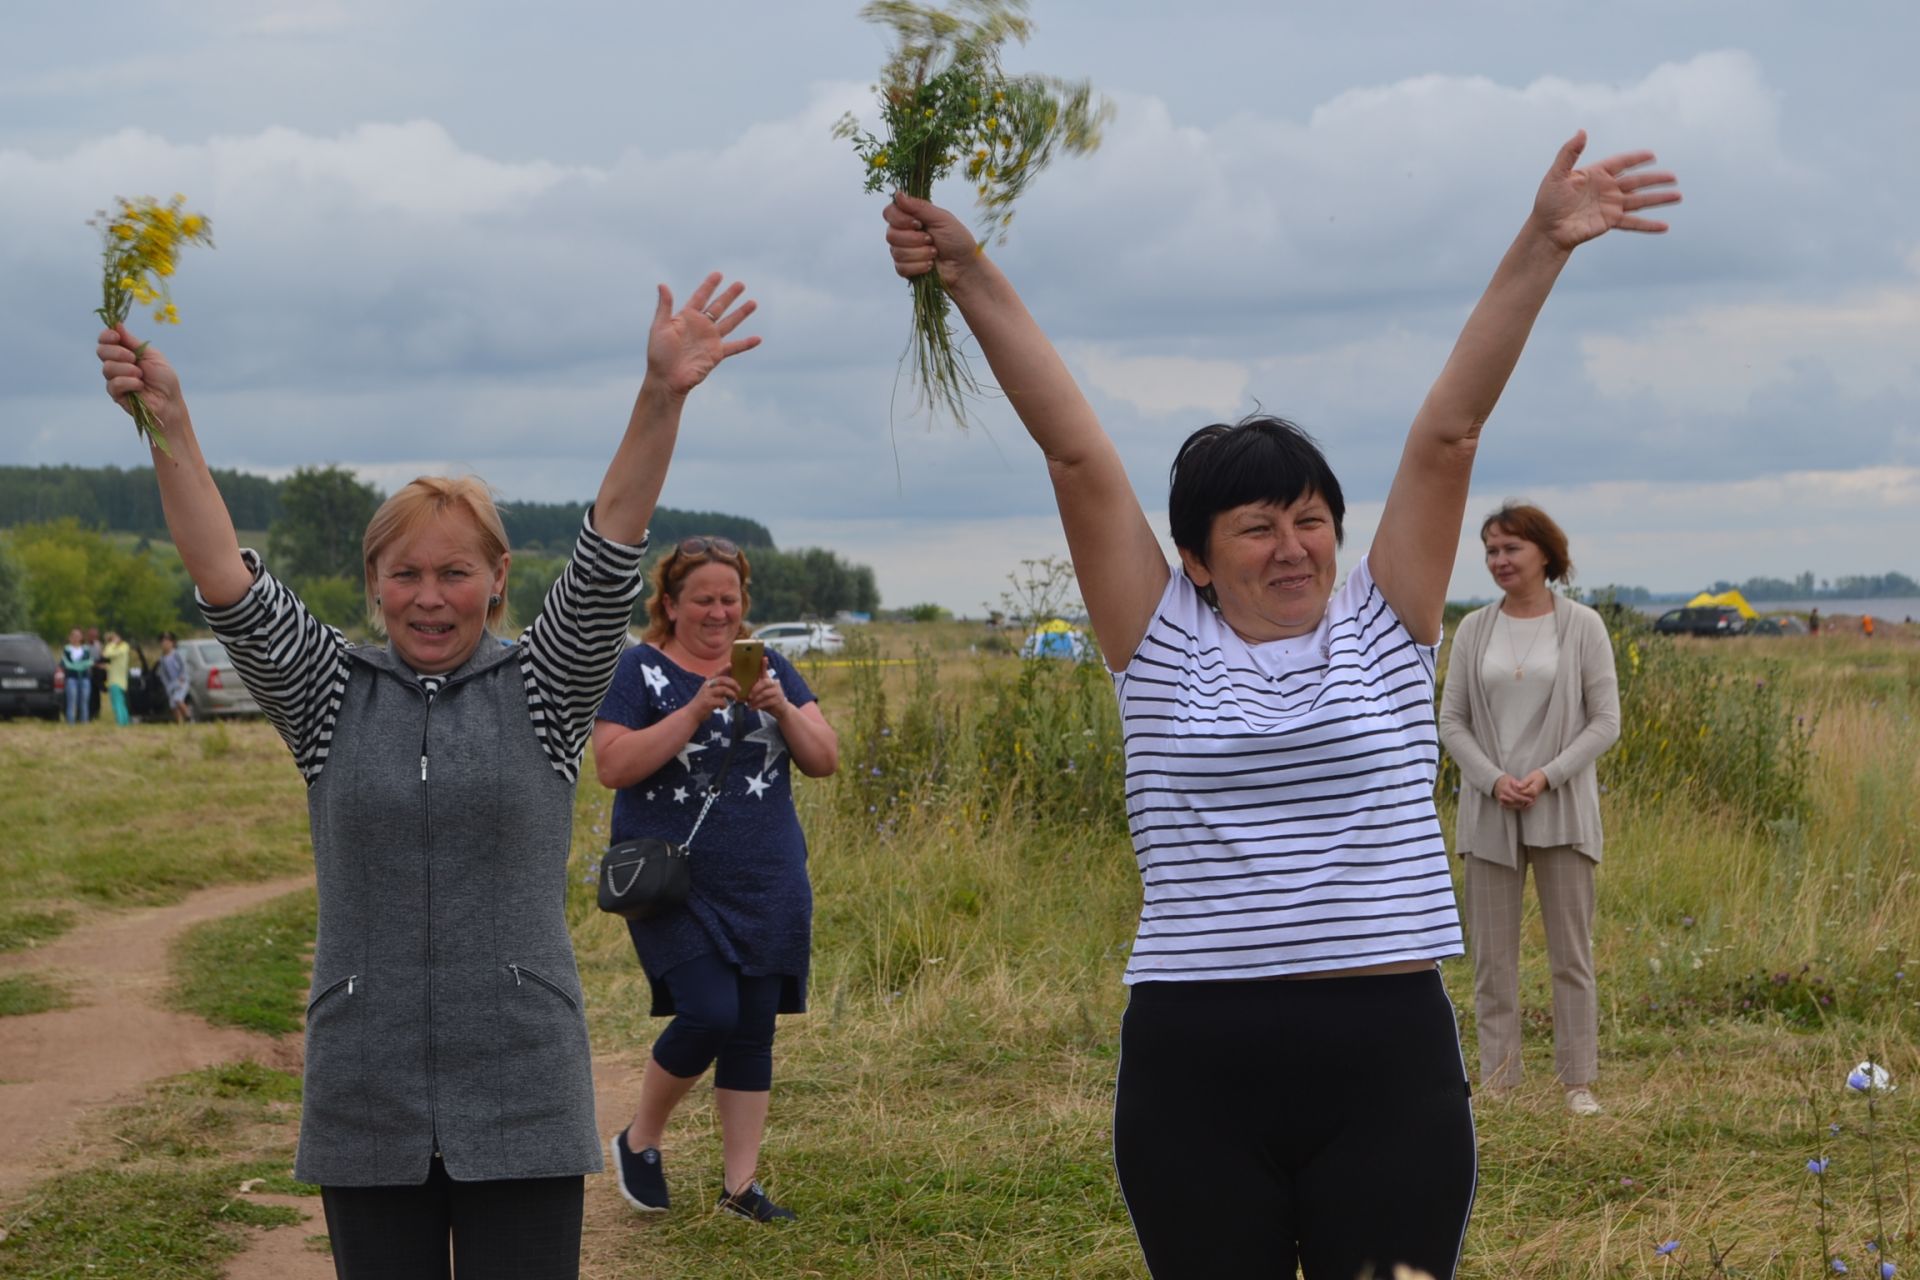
(946, 103)
(139, 245)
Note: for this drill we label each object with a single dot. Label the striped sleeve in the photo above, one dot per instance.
(294, 665)
(568, 655)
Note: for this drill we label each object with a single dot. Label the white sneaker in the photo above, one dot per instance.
(1581, 1102)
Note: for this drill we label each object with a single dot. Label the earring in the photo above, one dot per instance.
(376, 602)
(493, 602)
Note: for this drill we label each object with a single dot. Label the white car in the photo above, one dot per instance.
(793, 639)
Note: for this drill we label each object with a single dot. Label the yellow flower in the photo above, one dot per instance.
(168, 314)
(993, 123)
(122, 231)
(929, 113)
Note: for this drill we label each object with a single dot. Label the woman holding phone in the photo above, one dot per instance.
(681, 714)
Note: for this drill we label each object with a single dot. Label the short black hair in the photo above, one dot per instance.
(1257, 459)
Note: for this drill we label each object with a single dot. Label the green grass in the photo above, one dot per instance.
(29, 993)
(97, 816)
(165, 1205)
(944, 1109)
(249, 970)
(24, 928)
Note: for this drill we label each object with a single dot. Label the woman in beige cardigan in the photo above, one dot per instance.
(1530, 703)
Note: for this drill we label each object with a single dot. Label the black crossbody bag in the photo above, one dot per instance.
(648, 877)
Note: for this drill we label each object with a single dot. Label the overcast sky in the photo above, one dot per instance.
(440, 225)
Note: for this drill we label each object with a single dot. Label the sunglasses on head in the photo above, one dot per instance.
(699, 546)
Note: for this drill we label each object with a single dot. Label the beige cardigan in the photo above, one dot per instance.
(1582, 720)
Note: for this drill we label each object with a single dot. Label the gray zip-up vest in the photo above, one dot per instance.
(446, 1011)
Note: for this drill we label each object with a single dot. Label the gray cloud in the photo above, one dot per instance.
(422, 284)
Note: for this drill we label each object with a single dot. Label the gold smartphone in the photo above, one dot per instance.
(749, 664)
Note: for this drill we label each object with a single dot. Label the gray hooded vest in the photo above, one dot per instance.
(446, 1010)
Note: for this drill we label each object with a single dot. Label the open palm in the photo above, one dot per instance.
(1577, 205)
(683, 348)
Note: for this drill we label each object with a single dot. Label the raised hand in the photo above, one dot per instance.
(1577, 205)
(131, 368)
(924, 236)
(683, 348)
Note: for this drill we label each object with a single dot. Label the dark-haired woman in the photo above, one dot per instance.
(738, 952)
(1531, 702)
(1280, 765)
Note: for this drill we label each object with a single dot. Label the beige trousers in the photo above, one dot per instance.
(1563, 880)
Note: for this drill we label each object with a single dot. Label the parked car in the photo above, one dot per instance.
(213, 686)
(31, 683)
(1701, 620)
(793, 639)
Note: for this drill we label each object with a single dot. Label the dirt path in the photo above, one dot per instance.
(54, 1067)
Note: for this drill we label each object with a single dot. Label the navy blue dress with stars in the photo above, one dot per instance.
(751, 902)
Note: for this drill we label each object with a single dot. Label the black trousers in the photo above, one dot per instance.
(1322, 1124)
(519, 1229)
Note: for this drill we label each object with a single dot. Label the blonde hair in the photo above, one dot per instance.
(669, 579)
(426, 499)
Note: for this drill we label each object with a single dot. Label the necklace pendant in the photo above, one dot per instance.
(1516, 673)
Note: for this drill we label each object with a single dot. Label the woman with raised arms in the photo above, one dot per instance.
(1291, 1090)
(448, 1095)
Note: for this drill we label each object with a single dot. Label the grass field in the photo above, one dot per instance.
(944, 1108)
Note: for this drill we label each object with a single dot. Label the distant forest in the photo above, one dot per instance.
(129, 502)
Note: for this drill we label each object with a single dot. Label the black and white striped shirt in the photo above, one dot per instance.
(296, 667)
(1280, 795)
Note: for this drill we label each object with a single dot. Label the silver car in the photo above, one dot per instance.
(793, 639)
(214, 688)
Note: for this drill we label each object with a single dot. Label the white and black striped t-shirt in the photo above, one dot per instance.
(296, 666)
(1280, 795)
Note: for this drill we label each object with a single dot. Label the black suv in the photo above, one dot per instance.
(1701, 620)
(27, 686)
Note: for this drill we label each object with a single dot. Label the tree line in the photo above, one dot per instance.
(85, 546)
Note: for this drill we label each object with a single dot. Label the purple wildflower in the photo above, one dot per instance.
(1887, 1270)
(1859, 1082)
(1839, 1267)
(1664, 1249)
(1817, 1167)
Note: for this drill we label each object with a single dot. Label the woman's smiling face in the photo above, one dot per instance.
(707, 612)
(1271, 567)
(433, 589)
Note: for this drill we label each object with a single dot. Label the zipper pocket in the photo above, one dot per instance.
(520, 971)
(346, 983)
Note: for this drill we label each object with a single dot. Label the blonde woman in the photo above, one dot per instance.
(448, 1096)
(1531, 702)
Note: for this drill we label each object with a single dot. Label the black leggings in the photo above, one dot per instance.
(1321, 1123)
(720, 1014)
(520, 1229)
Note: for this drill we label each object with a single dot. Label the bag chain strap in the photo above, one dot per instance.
(726, 762)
